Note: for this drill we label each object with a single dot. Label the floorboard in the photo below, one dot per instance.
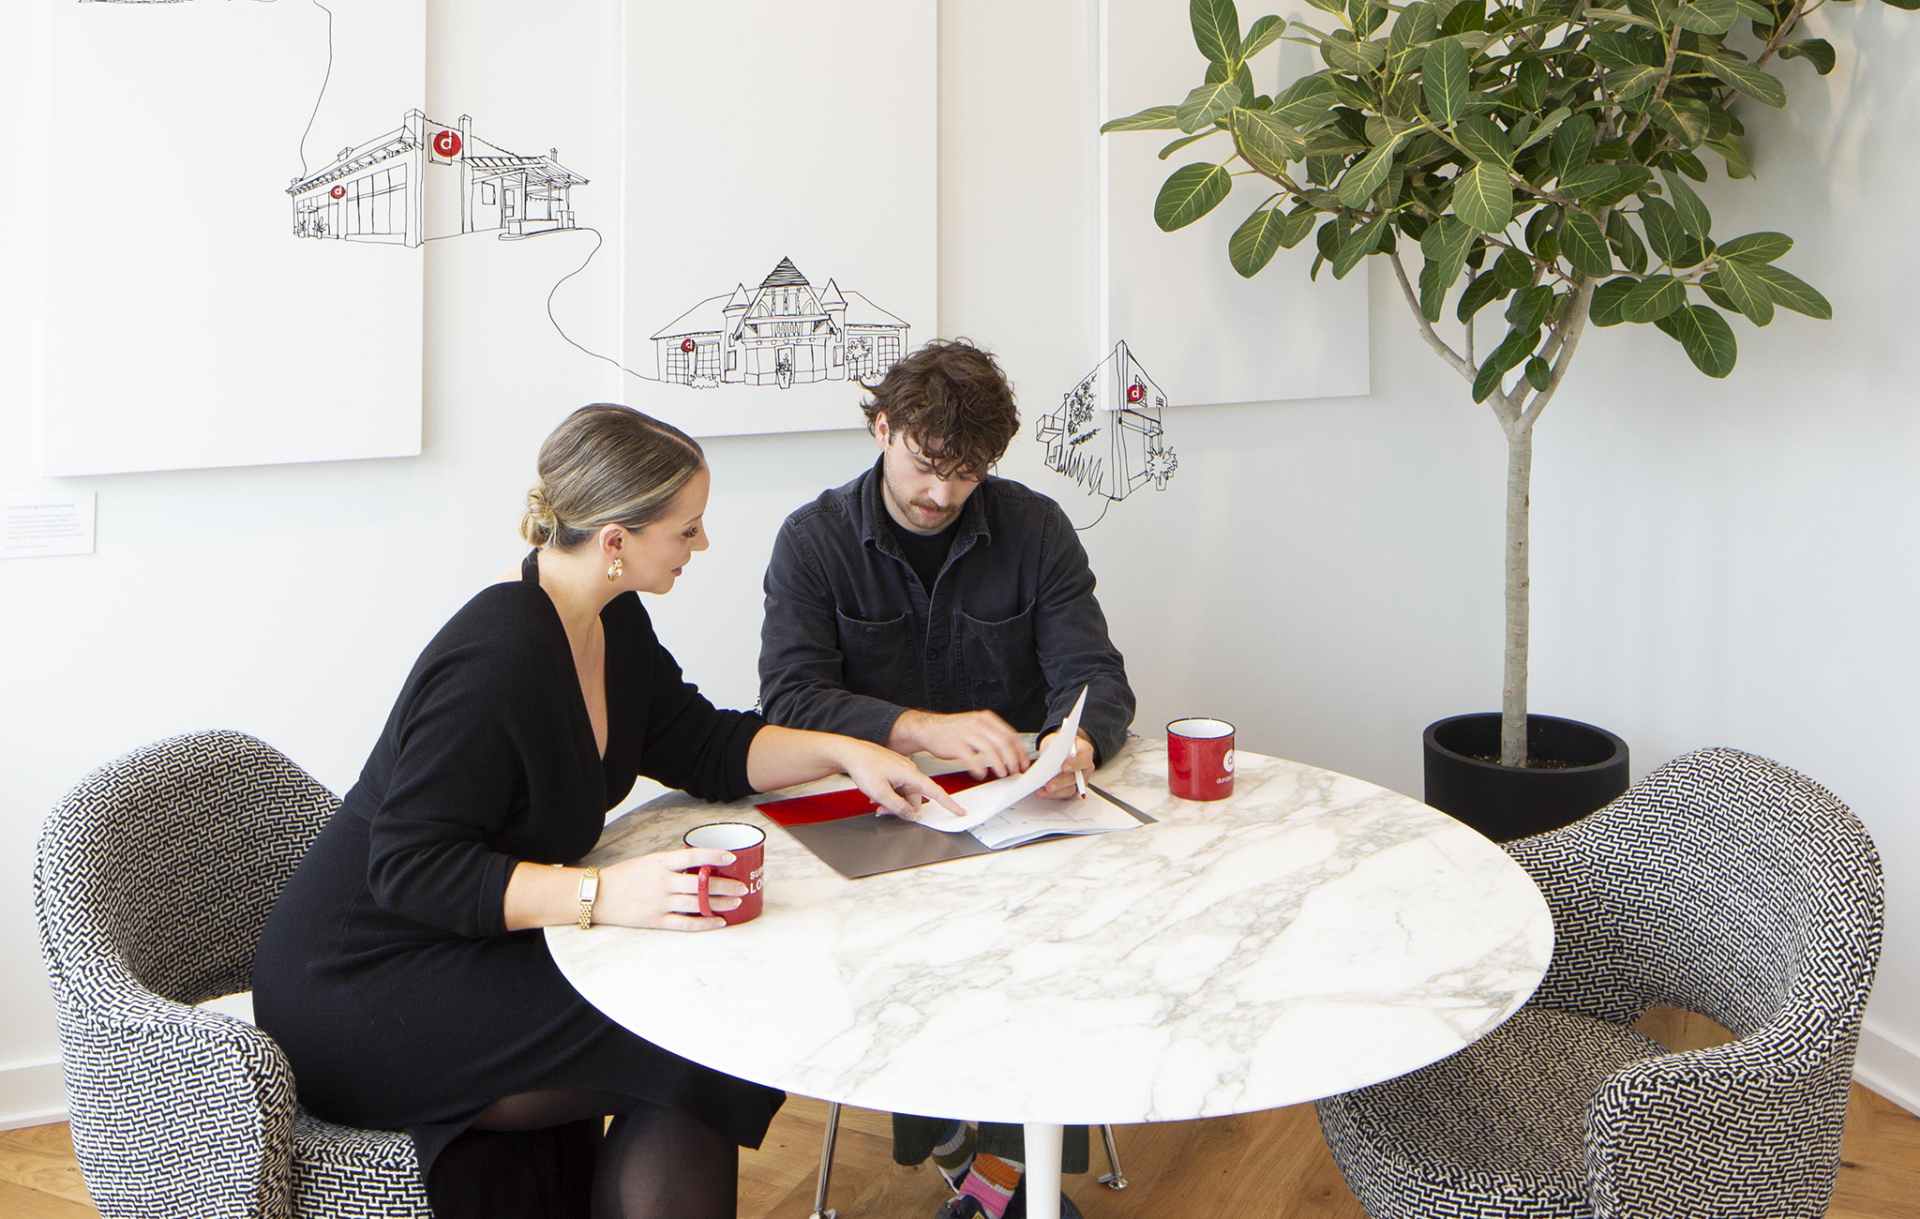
(1273, 1165)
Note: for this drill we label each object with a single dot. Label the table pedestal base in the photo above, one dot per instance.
(1043, 1171)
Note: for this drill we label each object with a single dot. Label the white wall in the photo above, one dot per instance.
(1716, 562)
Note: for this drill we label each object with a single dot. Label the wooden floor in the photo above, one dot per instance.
(1272, 1165)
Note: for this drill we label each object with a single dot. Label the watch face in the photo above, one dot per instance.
(589, 888)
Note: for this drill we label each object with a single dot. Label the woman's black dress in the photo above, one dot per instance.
(386, 971)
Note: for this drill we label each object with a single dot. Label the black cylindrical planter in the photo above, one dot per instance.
(1508, 802)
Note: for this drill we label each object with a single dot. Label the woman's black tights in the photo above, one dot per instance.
(654, 1162)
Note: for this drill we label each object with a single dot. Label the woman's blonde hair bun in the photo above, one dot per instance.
(606, 464)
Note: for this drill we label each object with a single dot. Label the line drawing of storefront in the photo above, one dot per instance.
(786, 332)
(375, 191)
(1119, 399)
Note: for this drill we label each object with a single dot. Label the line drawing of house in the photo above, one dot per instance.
(786, 332)
(1118, 399)
(375, 191)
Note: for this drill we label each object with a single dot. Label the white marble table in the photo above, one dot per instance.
(1312, 934)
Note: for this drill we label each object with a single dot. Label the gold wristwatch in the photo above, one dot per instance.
(589, 889)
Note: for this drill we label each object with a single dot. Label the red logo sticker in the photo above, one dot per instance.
(446, 144)
(338, 192)
(686, 345)
(1136, 393)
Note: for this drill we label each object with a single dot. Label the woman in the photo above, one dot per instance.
(404, 971)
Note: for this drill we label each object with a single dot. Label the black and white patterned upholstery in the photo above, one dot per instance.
(1724, 884)
(153, 880)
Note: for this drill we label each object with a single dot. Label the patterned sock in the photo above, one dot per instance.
(992, 1182)
(953, 1153)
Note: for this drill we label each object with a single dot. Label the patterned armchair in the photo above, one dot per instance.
(154, 878)
(1724, 884)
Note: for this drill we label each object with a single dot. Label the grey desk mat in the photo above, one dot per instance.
(868, 845)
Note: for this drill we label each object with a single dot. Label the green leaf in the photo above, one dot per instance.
(1482, 291)
(1182, 142)
(1529, 308)
(1444, 80)
(1605, 309)
(1629, 83)
(1482, 137)
(1705, 336)
(1255, 242)
(1297, 225)
(1684, 117)
(1360, 243)
(1816, 51)
(1791, 292)
(1757, 247)
(1305, 103)
(1347, 55)
(1734, 153)
(1693, 213)
(1669, 237)
(1216, 30)
(1531, 81)
(1571, 146)
(1192, 192)
(1615, 49)
(1513, 349)
(1626, 243)
(1546, 128)
(1266, 141)
(1590, 180)
(1337, 7)
(1465, 16)
(1707, 16)
(1513, 269)
(1628, 179)
(1653, 298)
(1710, 284)
(1207, 103)
(1539, 373)
(1483, 197)
(1416, 24)
(1748, 292)
(1153, 118)
(1905, 5)
(1261, 35)
(1585, 245)
(1763, 87)
(1756, 11)
(1444, 248)
(1366, 176)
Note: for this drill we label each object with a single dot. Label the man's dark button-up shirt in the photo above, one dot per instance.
(852, 638)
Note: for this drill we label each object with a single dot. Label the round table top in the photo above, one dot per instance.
(1311, 934)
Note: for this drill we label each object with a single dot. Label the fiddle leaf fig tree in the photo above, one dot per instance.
(1537, 155)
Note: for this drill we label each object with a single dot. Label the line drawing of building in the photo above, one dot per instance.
(375, 191)
(1118, 399)
(786, 332)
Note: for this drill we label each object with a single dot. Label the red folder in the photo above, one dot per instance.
(852, 802)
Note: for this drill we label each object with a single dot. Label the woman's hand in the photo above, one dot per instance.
(889, 780)
(661, 891)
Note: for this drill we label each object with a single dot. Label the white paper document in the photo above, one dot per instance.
(1007, 812)
(990, 799)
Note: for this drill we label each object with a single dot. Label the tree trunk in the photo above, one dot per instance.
(1513, 695)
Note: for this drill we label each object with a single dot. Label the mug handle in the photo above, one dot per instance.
(706, 908)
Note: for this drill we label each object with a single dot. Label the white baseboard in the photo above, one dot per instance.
(1889, 1067)
(32, 1094)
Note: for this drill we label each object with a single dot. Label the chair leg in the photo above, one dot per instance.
(1115, 1179)
(820, 1210)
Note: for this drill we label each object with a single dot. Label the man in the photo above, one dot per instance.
(927, 605)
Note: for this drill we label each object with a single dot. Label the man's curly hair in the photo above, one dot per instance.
(955, 403)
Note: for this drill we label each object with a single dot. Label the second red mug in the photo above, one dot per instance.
(1200, 759)
(749, 846)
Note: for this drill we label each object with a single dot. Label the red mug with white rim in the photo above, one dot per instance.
(1200, 759)
(749, 846)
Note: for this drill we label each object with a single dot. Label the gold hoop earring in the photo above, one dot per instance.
(613, 572)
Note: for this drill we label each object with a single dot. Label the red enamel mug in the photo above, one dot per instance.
(749, 846)
(1200, 758)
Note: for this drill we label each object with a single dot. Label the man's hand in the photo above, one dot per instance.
(1079, 761)
(979, 740)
